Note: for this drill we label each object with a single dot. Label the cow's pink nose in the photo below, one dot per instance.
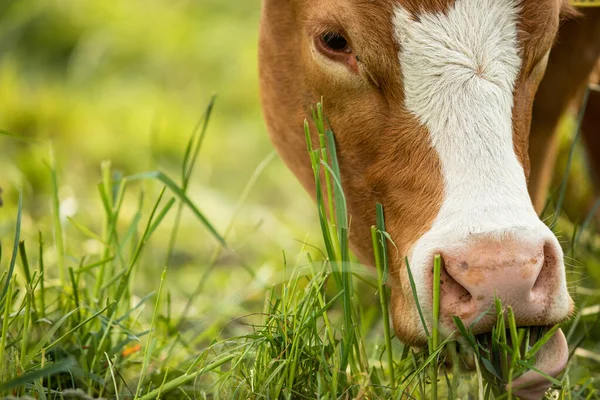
(527, 275)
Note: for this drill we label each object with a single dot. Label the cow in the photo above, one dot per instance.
(446, 113)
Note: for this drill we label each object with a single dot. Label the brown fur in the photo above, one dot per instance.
(384, 152)
(537, 29)
(591, 129)
(373, 130)
(572, 59)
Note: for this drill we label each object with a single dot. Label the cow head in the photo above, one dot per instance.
(430, 102)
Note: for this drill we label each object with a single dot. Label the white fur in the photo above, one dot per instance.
(459, 70)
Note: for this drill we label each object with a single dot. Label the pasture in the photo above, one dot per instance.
(154, 246)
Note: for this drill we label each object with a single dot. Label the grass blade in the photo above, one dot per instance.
(416, 297)
(13, 259)
(57, 223)
(188, 377)
(32, 376)
(566, 175)
(148, 351)
(180, 193)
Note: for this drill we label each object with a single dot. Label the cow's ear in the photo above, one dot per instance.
(568, 12)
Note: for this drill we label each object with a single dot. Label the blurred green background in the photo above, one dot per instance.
(127, 81)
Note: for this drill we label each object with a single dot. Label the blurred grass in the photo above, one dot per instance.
(127, 81)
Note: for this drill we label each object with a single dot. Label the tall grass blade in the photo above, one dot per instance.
(565, 180)
(188, 377)
(413, 286)
(5, 323)
(195, 144)
(383, 299)
(435, 337)
(46, 338)
(381, 263)
(586, 222)
(15, 251)
(148, 351)
(32, 376)
(541, 342)
(181, 194)
(57, 223)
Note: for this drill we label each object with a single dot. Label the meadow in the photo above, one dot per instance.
(153, 245)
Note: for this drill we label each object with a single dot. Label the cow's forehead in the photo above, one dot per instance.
(533, 14)
(419, 6)
(536, 21)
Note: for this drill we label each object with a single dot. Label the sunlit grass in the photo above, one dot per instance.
(72, 322)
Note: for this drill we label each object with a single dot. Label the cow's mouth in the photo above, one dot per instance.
(551, 359)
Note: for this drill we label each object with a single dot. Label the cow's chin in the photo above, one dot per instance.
(551, 360)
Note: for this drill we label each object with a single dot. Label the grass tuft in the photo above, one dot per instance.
(79, 324)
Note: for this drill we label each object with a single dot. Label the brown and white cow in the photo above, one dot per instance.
(431, 104)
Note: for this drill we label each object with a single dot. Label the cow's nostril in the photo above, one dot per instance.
(452, 292)
(547, 278)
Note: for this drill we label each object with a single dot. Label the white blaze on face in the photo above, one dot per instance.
(459, 70)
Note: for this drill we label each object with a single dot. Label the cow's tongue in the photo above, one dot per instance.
(551, 359)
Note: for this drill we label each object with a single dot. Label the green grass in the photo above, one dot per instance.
(127, 81)
(77, 324)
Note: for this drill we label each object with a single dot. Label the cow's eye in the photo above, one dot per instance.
(335, 46)
(335, 42)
